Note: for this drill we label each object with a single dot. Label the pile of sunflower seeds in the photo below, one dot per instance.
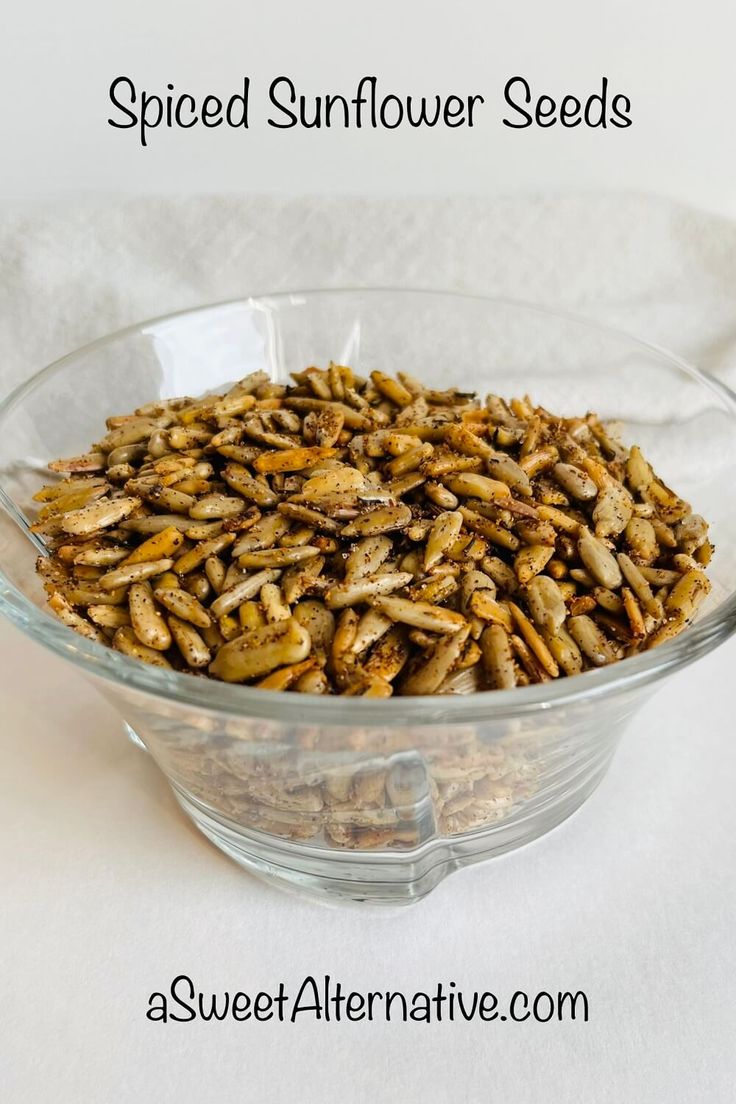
(359, 789)
(368, 537)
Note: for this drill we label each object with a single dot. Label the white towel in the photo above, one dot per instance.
(73, 272)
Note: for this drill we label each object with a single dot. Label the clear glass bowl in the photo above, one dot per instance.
(356, 798)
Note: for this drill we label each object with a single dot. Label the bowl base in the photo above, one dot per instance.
(378, 877)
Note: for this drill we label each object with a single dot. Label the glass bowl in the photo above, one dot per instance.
(353, 798)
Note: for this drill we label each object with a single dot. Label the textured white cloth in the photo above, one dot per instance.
(108, 893)
(72, 273)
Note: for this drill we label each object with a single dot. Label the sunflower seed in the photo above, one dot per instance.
(384, 519)
(639, 585)
(427, 676)
(444, 532)
(461, 544)
(133, 573)
(278, 557)
(687, 594)
(613, 511)
(591, 640)
(183, 605)
(147, 620)
(126, 641)
(98, 515)
(69, 616)
(363, 589)
(546, 603)
(421, 615)
(257, 653)
(193, 649)
(575, 481)
(247, 588)
(530, 560)
(497, 657)
(534, 640)
(599, 561)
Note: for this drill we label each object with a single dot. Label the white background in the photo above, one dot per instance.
(674, 59)
(106, 892)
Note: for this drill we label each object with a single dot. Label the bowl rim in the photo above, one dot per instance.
(213, 696)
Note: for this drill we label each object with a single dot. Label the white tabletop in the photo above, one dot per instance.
(109, 893)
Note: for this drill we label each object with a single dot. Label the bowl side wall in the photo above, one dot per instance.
(411, 799)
